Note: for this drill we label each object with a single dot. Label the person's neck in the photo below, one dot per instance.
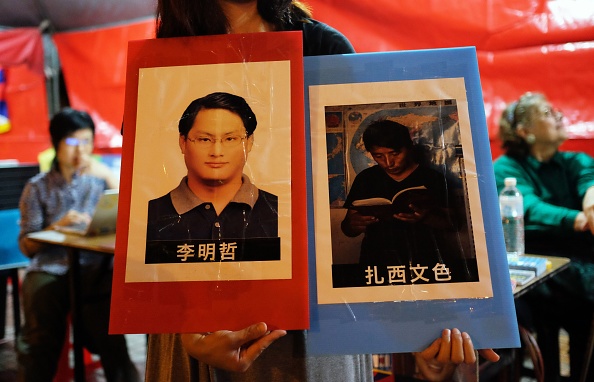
(543, 153)
(216, 192)
(244, 17)
(66, 172)
(404, 174)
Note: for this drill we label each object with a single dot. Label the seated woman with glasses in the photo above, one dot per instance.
(558, 191)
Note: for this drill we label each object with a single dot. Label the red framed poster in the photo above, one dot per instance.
(211, 230)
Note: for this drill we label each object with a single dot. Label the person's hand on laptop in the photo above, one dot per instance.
(72, 218)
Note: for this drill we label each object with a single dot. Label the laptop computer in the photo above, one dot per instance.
(103, 220)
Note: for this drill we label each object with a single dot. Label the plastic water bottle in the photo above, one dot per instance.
(511, 205)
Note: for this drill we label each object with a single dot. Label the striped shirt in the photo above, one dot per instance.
(46, 198)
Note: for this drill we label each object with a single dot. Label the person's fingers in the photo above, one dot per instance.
(407, 218)
(418, 211)
(489, 355)
(445, 347)
(457, 347)
(431, 351)
(251, 333)
(192, 343)
(366, 220)
(251, 352)
(234, 351)
(580, 224)
(469, 353)
(77, 217)
(255, 331)
(85, 217)
(359, 221)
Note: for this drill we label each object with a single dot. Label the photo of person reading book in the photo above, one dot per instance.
(414, 226)
(215, 208)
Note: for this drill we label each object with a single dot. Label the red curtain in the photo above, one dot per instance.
(94, 68)
(522, 45)
(21, 60)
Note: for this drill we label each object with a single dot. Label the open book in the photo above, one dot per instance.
(384, 208)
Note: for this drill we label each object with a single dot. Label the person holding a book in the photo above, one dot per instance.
(256, 353)
(415, 226)
(558, 191)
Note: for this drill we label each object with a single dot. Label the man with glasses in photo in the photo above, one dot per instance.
(215, 200)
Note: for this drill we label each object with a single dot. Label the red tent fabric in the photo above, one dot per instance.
(522, 45)
(21, 58)
(99, 87)
(537, 45)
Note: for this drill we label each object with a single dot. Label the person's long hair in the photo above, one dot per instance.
(179, 18)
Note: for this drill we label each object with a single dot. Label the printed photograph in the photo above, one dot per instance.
(215, 214)
(398, 217)
(211, 180)
(396, 173)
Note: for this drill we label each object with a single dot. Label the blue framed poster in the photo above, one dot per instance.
(408, 127)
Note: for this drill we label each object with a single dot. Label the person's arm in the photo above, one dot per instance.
(34, 220)
(438, 362)
(228, 350)
(437, 218)
(101, 171)
(588, 210)
(355, 224)
(31, 247)
(580, 169)
(536, 210)
(432, 210)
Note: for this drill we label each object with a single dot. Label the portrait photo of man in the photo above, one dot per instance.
(216, 213)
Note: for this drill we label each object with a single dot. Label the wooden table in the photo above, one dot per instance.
(557, 264)
(74, 243)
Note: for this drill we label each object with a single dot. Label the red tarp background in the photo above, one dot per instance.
(522, 45)
(21, 57)
(94, 67)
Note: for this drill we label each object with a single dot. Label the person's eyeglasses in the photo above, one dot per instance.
(76, 142)
(226, 141)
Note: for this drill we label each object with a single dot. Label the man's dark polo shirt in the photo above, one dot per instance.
(182, 217)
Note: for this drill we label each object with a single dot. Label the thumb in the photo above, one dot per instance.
(251, 333)
(431, 351)
(489, 354)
